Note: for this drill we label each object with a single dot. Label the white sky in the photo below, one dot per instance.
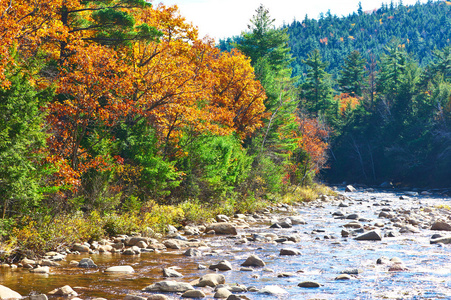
(226, 18)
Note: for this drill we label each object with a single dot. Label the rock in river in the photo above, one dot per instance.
(169, 272)
(309, 284)
(350, 189)
(194, 294)
(223, 265)
(87, 263)
(222, 228)
(222, 293)
(253, 261)
(374, 235)
(289, 251)
(119, 270)
(211, 280)
(7, 293)
(65, 291)
(169, 286)
(441, 225)
(272, 290)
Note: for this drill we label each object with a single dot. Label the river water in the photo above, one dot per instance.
(325, 254)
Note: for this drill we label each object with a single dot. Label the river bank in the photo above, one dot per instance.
(403, 258)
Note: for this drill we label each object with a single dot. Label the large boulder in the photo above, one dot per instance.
(222, 228)
(169, 286)
(7, 293)
(253, 261)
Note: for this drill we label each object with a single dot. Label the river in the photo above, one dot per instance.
(324, 255)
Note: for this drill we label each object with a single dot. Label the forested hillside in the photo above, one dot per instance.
(418, 29)
(381, 82)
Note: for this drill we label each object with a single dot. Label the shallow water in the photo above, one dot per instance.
(428, 277)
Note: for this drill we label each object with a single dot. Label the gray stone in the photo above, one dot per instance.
(169, 272)
(120, 270)
(234, 297)
(39, 297)
(441, 225)
(273, 290)
(222, 218)
(222, 293)
(7, 293)
(169, 286)
(297, 220)
(194, 294)
(157, 297)
(289, 251)
(87, 263)
(172, 229)
(374, 235)
(352, 216)
(134, 240)
(441, 240)
(134, 297)
(65, 291)
(350, 189)
(80, 248)
(351, 271)
(223, 265)
(41, 270)
(343, 277)
(193, 252)
(222, 228)
(309, 284)
(211, 280)
(172, 244)
(253, 261)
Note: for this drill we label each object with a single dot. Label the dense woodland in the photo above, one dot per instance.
(117, 116)
(380, 80)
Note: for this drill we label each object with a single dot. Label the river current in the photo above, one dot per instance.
(324, 255)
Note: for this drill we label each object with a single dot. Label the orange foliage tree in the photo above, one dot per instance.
(311, 155)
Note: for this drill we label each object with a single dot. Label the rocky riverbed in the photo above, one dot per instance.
(364, 244)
